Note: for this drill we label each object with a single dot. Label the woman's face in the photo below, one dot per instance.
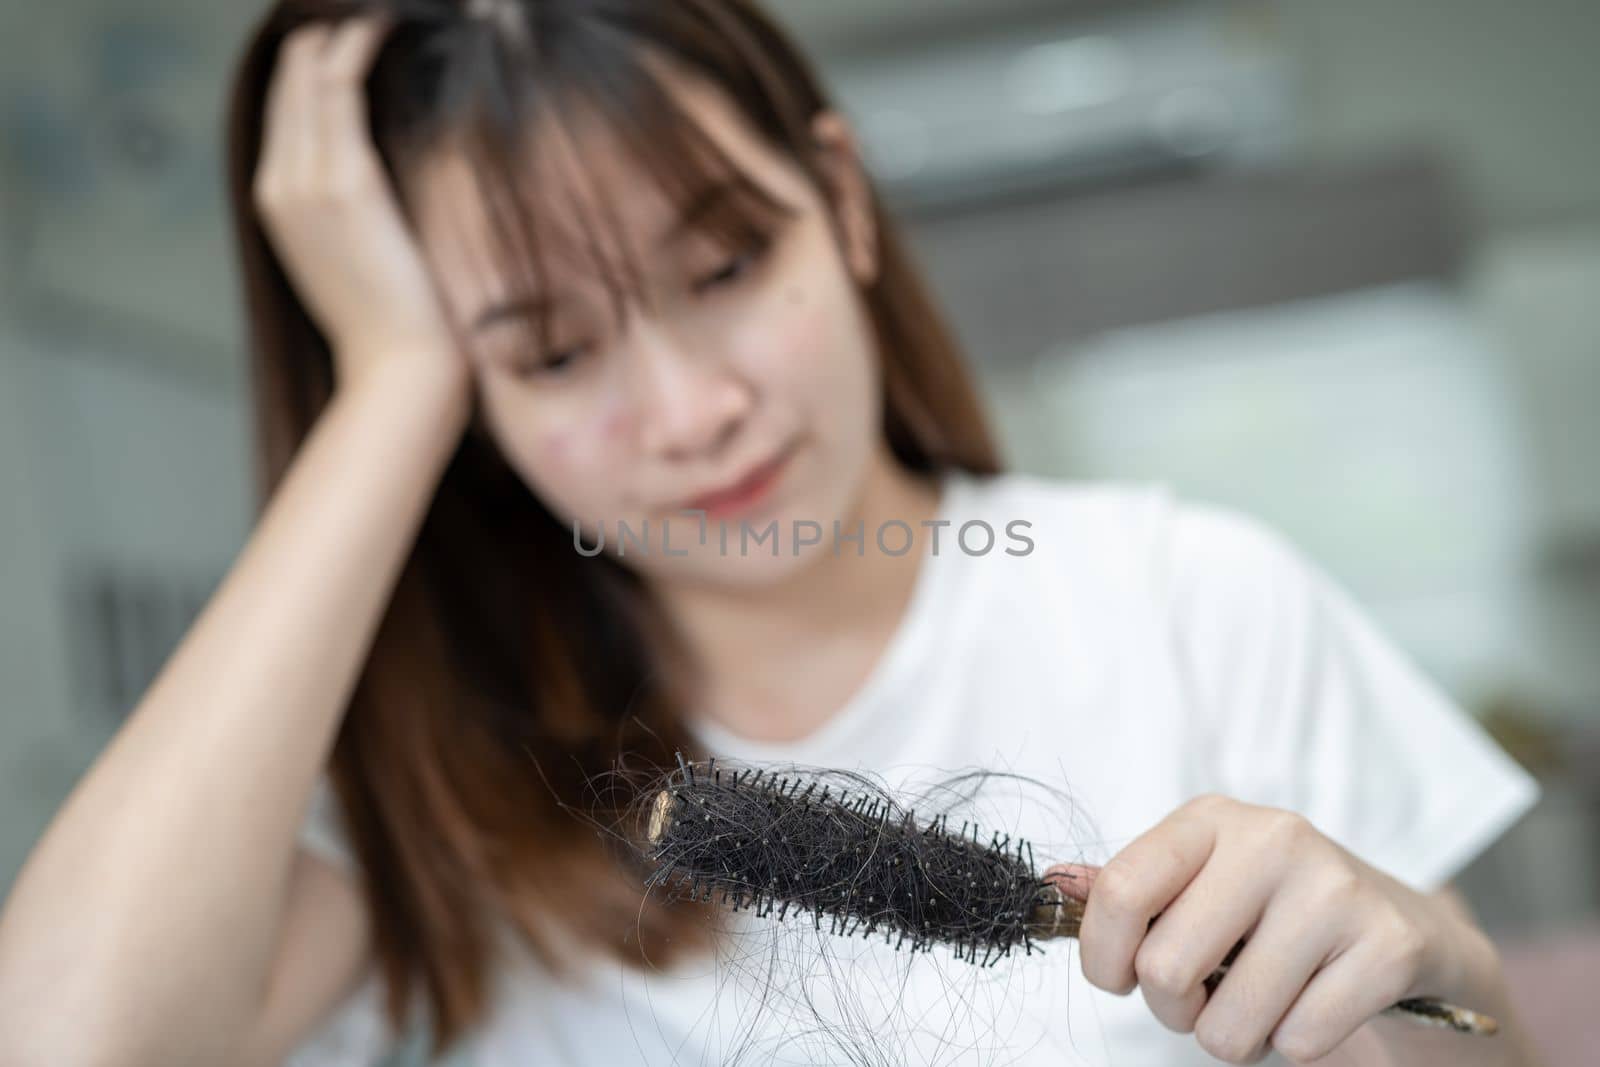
(751, 362)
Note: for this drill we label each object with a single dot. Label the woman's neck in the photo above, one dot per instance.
(773, 664)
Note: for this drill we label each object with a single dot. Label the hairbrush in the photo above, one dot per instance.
(864, 864)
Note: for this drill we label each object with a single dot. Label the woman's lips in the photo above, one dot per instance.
(751, 490)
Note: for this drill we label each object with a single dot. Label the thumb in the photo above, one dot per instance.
(1073, 879)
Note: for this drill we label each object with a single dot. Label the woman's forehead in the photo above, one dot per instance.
(459, 209)
(588, 190)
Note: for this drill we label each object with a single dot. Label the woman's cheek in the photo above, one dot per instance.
(612, 425)
(576, 445)
(555, 451)
(782, 340)
(587, 458)
(555, 472)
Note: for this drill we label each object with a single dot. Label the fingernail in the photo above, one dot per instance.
(1073, 879)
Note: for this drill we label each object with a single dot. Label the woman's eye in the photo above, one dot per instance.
(554, 363)
(733, 270)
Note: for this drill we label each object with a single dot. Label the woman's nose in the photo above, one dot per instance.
(690, 402)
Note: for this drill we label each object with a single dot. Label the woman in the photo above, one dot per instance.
(524, 274)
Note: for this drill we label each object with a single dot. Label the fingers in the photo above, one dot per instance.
(1133, 888)
(341, 112)
(287, 144)
(1073, 879)
(1324, 942)
(1345, 993)
(316, 129)
(1192, 937)
(1280, 956)
(353, 46)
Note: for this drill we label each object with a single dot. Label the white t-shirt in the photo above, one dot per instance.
(1144, 651)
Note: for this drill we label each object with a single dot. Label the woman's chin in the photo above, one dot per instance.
(748, 569)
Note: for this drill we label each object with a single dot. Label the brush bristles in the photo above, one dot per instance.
(789, 845)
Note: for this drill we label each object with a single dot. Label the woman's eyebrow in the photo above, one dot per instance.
(513, 307)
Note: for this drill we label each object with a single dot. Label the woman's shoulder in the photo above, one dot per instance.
(1099, 507)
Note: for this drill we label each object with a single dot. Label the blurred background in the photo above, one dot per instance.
(1337, 264)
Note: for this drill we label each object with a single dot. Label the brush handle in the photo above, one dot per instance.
(1063, 917)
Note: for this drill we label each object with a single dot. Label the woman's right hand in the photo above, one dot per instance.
(331, 214)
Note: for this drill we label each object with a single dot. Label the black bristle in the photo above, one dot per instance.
(768, 845)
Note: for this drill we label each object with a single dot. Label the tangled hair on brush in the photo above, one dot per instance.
(902, 853)
(771, 843)
(857, 858)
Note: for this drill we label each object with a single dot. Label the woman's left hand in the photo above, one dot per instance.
(1330, 940)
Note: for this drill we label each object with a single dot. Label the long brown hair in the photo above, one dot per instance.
(505, 679)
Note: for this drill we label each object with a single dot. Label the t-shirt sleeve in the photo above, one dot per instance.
(1306, 706)
(357, 1032)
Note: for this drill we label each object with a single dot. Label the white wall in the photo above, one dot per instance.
(36, 750)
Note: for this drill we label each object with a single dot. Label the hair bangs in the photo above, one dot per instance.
(605, 99)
